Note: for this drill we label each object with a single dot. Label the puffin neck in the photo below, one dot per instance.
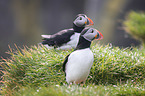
(77, 29)
(83, 43)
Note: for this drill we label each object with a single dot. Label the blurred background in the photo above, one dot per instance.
(23, 21)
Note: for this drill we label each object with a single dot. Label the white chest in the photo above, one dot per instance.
(79, 65)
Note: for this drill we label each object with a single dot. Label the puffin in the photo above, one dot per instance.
(67, 38)
(77, 65)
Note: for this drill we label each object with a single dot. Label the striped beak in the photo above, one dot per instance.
(99, 36)
(89, 22)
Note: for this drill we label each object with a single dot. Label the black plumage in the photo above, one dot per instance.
(59, 38)
(83, 43)
(65, 61)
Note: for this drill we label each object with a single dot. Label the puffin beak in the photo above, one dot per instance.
(89, 22)
(99, 37)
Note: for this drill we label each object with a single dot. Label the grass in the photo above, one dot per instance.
(91, 90)
(38, 71)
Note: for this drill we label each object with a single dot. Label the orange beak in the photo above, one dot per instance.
(89, 22)
(100, 36)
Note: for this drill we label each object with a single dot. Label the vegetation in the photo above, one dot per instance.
(90, 90)
(135, 25)
(38, 71)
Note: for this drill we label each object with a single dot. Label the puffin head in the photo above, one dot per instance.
(90, 34)
(82, 20)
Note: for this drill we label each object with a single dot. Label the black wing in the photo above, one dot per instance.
(65, 61)
(59, 38)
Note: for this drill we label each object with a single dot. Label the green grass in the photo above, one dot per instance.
(115, 71)
(135, 25)
(90, 90)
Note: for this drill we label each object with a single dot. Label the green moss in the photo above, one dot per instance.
(135, 25)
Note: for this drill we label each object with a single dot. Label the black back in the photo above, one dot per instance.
(59, 38)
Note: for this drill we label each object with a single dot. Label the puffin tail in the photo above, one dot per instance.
(45, 36)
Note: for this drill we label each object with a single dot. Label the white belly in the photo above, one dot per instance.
(79, 65)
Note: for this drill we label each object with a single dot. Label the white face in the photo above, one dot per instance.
(90, 34)
(80, 21)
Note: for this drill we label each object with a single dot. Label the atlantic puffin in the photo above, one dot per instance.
(68, 38)
(77, 65)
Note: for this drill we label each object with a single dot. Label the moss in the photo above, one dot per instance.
(135, 25)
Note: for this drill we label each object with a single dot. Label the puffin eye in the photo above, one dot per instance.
(92, 31)
(80, 18)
